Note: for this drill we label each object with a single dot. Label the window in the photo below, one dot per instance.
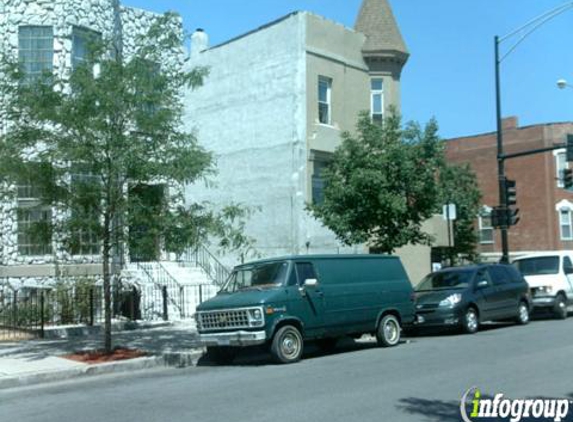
(34, 218)
(320, 162)
(324, 100)
(81, 40)
(304, 271)
(499, 275)
(560, 165)
(33, 231)
(565, 224)
(36, 50)
(485, 227)
(84, 239)
(377, 100)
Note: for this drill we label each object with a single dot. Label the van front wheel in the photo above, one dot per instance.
(388, 331)
(287, 345)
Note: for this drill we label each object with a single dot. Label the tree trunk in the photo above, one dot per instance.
(107, 286)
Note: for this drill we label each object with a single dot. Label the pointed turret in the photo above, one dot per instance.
(383, 37)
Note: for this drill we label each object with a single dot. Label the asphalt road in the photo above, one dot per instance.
(422, 379)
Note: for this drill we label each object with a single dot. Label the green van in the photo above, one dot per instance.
(281, 302)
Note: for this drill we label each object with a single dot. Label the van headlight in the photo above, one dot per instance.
(256, 314)
(451, 301)
(545, 289)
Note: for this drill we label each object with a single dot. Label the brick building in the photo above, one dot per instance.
(546, 221)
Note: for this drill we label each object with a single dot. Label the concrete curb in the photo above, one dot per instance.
(168, 359)
(81, 331)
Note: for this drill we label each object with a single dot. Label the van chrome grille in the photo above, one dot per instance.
(221, 320)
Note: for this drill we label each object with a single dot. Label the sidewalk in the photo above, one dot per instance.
(35, 361)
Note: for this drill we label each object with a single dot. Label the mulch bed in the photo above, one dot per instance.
(99, 356)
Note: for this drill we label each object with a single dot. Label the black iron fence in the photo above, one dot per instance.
(28, 311)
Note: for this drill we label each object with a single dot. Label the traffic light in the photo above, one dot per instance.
(498, 217)
(510, 192)
(568, 178)
(569, 152)
(512, 216)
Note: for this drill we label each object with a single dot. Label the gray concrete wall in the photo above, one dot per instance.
(251, 113)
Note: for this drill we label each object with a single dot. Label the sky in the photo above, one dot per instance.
(450, 73)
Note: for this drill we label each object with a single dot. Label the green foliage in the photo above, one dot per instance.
(386, 180)
(458, 185)
(380, 186)
(114, 124)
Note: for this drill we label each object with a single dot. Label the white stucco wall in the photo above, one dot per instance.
(251, 112)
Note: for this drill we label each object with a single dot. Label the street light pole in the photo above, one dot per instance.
(500, 158)
(525, 31)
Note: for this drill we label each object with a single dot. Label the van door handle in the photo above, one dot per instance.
(319, 293)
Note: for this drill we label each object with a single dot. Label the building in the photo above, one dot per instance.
(273, 109)
(544, 205)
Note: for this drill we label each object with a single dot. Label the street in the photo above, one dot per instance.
(423, 379)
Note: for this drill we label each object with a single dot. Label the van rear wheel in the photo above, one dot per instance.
(287, 345)
(388, 331)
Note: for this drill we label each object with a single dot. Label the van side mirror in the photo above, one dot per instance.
(310, 282)
(481, 284)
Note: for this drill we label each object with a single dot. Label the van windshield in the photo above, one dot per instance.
(445, 280)
(538, 266)
(257, 277)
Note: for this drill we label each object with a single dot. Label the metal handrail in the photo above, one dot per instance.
(203, 258)
(163, 275)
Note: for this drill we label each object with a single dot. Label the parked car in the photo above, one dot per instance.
(283, 302)
(550, 278)
(467, 296)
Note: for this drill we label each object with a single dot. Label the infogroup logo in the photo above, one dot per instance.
(474, 407)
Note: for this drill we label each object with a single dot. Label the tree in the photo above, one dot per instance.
(109, 150)
(381, 184)
(458, 185)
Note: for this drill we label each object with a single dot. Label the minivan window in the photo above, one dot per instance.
(499, 275)
(257, 276)
(304, 271)
(445, 280)
(538, 266)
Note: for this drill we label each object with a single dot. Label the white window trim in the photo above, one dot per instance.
(485, 210)
(566, 206)
(374, 92)
(328, 99)
(558, 175)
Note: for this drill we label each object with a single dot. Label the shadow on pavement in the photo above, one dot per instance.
(260, 356)
(154, 341)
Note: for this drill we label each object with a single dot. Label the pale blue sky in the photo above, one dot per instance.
(450, 72)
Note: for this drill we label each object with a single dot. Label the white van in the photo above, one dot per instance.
(550, 278)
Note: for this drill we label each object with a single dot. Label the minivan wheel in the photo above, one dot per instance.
(560, 307)
(470, 322)
(522, 313)
(388, 331)
(287, 345)
(221, 355)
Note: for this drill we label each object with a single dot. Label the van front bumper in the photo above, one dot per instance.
(543, 301)
(235, 338)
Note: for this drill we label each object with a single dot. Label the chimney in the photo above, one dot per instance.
(199, 42)
(509, 123)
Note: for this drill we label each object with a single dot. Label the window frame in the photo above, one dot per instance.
(485, 213)
(568, 224)
(327, 103)
(561, 164)
(86, 34)
(43, 56)
(373, 93)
